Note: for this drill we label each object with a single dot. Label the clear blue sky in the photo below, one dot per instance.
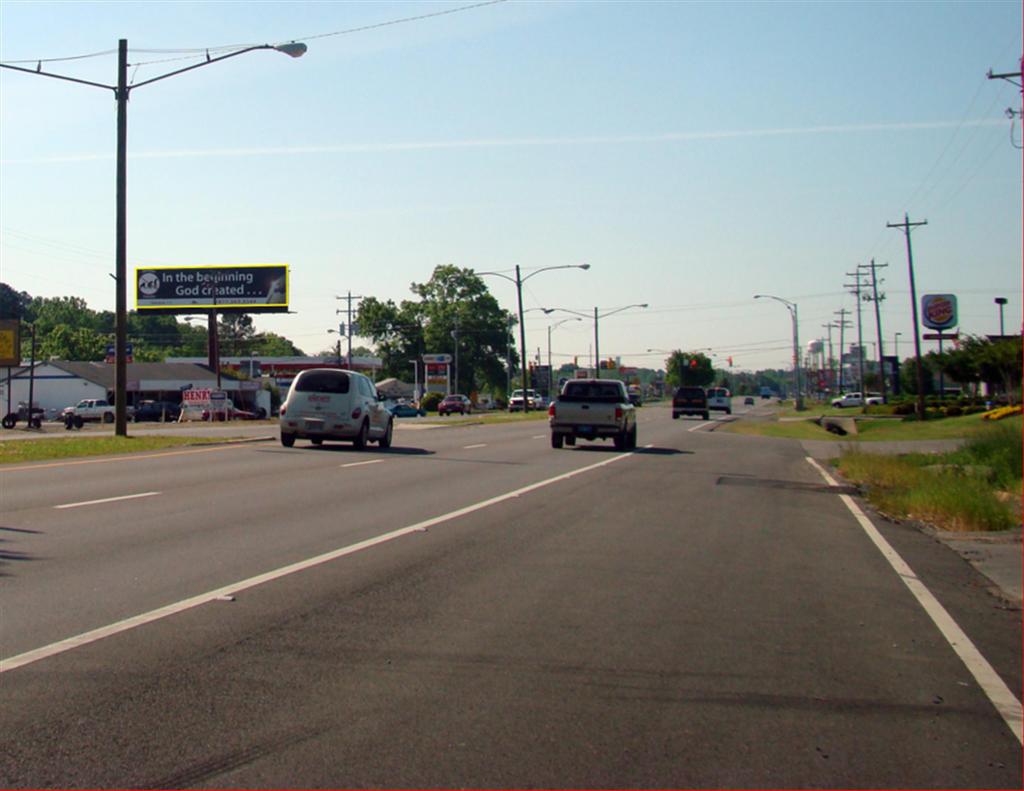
(694, 154)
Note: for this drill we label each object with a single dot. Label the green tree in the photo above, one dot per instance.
(689, 369)
(67, 343)
(454, 306)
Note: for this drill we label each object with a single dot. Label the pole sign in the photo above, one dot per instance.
(252, 288)
(938, 311)
(111, 353)
(10, 343)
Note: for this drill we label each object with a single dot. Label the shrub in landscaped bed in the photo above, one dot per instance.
(430, 401)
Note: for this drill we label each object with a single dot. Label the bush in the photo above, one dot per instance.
(430, 401)
(904, 408)
(953, 411)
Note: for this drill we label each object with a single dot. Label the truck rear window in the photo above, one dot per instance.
(322, 382)
(593, 391)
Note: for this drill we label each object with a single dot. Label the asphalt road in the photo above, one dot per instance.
(473, 608)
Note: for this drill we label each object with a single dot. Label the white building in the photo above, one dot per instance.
(56, 384)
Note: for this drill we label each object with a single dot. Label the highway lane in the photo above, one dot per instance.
(699, 613)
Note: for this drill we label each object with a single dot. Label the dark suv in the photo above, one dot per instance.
(690, 401)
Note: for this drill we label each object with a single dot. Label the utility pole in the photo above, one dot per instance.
(906, 226)
(843, 324)
(831, 380)
(348, 326)
(1011, 113)
(857, 287)
(877, 299)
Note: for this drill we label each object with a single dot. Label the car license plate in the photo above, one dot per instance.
(585, 430)
(314, 425)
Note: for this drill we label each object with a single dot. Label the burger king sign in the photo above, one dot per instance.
(938, 311)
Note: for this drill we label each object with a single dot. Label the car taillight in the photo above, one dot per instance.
(618, 413)
(283, 409)
(356, 413)
(551, 409)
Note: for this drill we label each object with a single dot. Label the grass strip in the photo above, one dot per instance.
(27, 450)
(971, 489)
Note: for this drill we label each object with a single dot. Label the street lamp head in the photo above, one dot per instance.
(584, 266)
(293, 49)
(1000, 300)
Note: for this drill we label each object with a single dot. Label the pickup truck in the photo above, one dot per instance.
(515, 403)
(593, 409)
(856, 399)
(88, 410)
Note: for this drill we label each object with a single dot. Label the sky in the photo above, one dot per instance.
(694, 154)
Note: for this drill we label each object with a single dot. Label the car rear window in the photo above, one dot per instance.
(322, 382)
(609, 392)
(690, 392)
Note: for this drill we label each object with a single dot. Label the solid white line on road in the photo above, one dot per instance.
(699, 426)
(994, 687)
(107, 500)
(478, 445)
(539, 436)
(362, 463)
(142, 619)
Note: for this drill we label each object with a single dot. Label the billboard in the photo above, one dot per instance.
(249, 288)
(10, 342)
(938, 311)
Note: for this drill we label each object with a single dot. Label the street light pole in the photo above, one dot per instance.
(1001, 301)
(121, 90)
(791, 306)
(518, 280)
(597, 316)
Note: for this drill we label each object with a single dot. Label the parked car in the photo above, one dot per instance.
(455, 403)
(22, 413)
(690, 401)
(328, 404)
(405, 409)
(720, 398)
(156, 410)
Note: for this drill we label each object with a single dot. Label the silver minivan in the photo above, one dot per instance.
(331, 404)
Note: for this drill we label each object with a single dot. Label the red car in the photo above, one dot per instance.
(453, 404)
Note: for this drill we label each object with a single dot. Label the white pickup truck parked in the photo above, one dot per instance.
(857, 399)
(90, 410)
(593, 409)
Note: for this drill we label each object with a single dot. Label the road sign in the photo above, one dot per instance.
(940, 336)
(437, 358)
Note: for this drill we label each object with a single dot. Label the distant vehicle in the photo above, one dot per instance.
(766, 392)
(857, 399)
(326, 403)
(720, 398)
(156, 410)
(690, 401)
(635, 395)
(748, 401)
(515, 403)
(454, 403)
(593, 409)
(405, 409)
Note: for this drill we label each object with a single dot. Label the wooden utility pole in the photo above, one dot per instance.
(842, 324)
(906, 226)
(857, 287)
(877, 299)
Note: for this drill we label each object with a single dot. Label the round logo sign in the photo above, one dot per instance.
(149, 283)
(939, 311)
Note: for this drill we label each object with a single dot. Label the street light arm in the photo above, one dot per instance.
(58, 77)
(550, 268)
(619, 310)
(294, 49)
